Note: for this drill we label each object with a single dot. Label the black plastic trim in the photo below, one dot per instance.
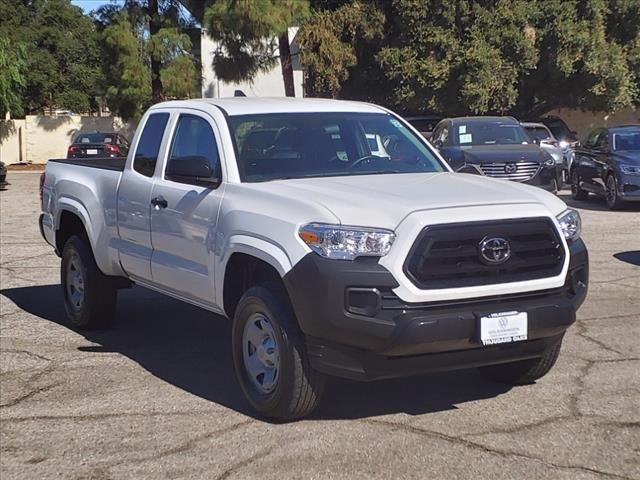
(105, 163)
(507, 278)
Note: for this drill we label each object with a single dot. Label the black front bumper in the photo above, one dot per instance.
(546, 178)
(356, 327)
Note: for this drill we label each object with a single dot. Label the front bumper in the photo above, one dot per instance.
(629, 187)
(351, 336)
(547, 178)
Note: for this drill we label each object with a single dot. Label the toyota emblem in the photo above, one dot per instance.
(494, 250)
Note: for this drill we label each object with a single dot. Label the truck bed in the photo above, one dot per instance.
(105, 163)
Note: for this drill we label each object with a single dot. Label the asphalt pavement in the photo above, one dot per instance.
(155, 395)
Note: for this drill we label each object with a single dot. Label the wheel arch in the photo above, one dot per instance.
(71, 220)
(243, 271)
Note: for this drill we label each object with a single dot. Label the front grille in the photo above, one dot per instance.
(448, 256)
(518, 171)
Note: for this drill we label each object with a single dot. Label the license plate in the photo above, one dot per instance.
(92, 151)
(503, 327)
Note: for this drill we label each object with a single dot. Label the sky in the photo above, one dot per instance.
(88, 5)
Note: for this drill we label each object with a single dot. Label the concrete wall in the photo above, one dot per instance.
(583, 122)
(12, 144)
(265, 84)
(41, 138)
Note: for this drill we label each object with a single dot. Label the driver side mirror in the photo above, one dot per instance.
(194, 170)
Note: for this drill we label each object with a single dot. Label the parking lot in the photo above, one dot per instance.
(155, 396)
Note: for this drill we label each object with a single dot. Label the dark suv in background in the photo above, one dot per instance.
(608, 164)
(496, 146)
(98, 144)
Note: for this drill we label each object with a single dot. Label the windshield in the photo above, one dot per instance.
(302, 145)
(557, 127)
(94, 138)
(489, 133)
(629, 141)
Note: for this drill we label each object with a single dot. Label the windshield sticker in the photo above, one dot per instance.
(466, 138)
(462, 129)
(395, 123)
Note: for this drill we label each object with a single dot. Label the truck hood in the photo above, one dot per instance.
(385, 200)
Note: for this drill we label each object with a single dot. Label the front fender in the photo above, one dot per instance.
(263, 249)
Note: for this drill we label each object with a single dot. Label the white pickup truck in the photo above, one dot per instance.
(332, 234)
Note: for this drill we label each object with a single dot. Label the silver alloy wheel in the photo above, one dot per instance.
(75, 282)
(611, 193)
(261, 353)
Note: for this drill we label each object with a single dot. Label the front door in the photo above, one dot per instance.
(184, 215)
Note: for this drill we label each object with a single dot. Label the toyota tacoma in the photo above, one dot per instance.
(334, 237)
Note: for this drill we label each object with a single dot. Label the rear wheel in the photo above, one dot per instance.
(525, 371)
(577, 193)
(89, 295)
(611, 194)
(270, 357)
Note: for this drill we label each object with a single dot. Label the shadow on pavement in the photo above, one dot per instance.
(632, 257)
(190, 348)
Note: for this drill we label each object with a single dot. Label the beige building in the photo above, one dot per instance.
(265, 84)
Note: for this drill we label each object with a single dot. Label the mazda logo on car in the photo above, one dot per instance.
(494, 250)
(511, 168)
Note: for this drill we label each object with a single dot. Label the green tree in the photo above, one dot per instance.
(13, 62)
(62, 56)
(337, 46)
(477, 56)
(248, 32)
(148, 54)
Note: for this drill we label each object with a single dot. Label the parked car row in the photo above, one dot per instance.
(542, 152)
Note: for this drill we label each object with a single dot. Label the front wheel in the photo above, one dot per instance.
(577, 193)
(525, 371)
(611, 193)
(89, 295)
(270, 357)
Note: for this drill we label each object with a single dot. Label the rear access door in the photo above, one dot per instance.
(134, 197)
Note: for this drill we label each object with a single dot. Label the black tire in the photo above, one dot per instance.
(298, 387)
(611, 193)
(99, 295)
(577, 193)
(526, 371)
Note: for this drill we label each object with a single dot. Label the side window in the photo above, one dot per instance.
(592, 138)
(444, 136)
(194, 138)
(149, 144)
(603, 140)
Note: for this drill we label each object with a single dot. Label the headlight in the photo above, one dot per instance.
(630, 169)
(564, 144)
(570, 224)
(346, 243)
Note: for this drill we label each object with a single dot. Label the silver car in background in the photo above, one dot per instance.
(542, 136)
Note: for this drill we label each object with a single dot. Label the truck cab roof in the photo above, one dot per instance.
(233, 106)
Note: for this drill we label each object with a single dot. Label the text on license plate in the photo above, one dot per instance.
(92, 151)
(503, 327)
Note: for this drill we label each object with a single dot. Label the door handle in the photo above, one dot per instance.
(159, 202)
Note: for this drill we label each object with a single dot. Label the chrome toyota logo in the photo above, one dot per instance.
(511, 168)
(494, 250)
